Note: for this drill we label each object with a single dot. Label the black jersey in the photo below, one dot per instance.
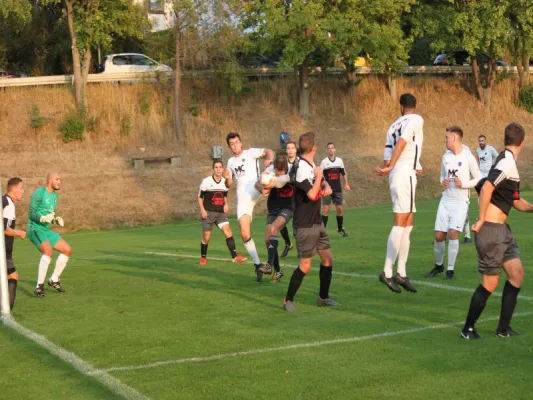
(333, 169)
(213, 193)
(9, 222)
(307, 211)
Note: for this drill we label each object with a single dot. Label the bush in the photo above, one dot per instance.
(145, 100)
(73, 127)
(525, 98)
(37, 120)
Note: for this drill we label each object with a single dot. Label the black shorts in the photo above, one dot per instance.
(495, 244)
(279, 212)
(309, 240)
(213, 217)
(335, 198)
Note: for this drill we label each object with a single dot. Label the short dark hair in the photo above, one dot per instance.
(12, 183)
(292, 142)
(408, 100)
(307, 142)
(514, 134)
(329, 144)
(280, 162)
(482, 136)
(217, 161)
(455, 129)
(232, 135)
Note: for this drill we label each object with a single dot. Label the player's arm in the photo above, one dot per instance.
(226, 206)
(475, 174)
(281, 181)
(269, 155)
(35, 203)
(345, 176)
(444, 181)
(523, 205)
(12, 232)
(398, 150)
(494, 153)
(389, 149)
(313, 190)
(201, 194)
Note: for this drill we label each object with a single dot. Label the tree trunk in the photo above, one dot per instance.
(177, 85)
(76, 59)
(477, 79)
(391, 85)
(351, 79)
(304, 90)
(525, 65)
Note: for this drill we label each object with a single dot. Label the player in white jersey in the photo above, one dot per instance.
(459, 173)
(243, 167)
(486, 155)
(466, 228)
(402, 161)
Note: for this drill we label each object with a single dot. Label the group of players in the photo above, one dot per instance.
(41, 215)
(300, 187)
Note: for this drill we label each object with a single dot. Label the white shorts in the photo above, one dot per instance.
(402, 192)
(451, 216)
(246, 200)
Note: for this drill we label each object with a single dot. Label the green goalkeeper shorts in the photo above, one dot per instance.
(39, 237)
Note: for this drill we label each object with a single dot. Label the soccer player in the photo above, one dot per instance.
(459, 172)
(311, 236)
(15, 191)
(495, 243)
(213, 202)
(486, 154)
(402, 160)
(244, 168)
(292, 160)
(333, 167)
(41, 215)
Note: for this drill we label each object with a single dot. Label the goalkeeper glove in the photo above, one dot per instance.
(59, 221)
(47, 218)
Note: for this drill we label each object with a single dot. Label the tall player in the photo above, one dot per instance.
(402, 160)
(292, 160)
(244, 168)
(333, 168)
(41, 215)
(459, 173)
(213, 203)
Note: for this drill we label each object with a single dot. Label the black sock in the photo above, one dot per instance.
(340, 222)
(12, 285)
(276, 263)
(325, 281)
(296, 280)
(510, 293)
(231, 246)
(325, 220)
(285, 235)
(272, 249)
(477, 304)
(203, 249)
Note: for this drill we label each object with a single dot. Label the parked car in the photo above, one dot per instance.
(461, 57)
(130, 62)
(5, 75)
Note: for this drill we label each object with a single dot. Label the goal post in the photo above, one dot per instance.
(5, 309)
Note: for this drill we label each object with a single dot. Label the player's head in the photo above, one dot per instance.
(307, 144)
(53, 180)
(281, 165)
(482, 140)
(233, 139)
(331, 149)
(218, 168)
(515, 135)
(454, 137)
(15, 189)
(291, 149)
(407, 103)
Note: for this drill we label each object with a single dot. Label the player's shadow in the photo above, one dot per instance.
(22, 290)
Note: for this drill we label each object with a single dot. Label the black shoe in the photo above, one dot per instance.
(288, 247)
(467, 240)
(258, 272)
(266, 269)
(342, 232)
(449, 275)
(56, 285)
(469, 334)
(390, 283)
(39, 291)
(435, 271)
(507, 333)
(405, 283)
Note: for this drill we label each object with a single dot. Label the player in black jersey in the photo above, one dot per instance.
(212, 200)
(311, 236)
(280, 205)
(495, 243)
(15, 191)
(292, 160)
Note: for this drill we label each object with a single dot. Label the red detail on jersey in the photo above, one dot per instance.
(516, 195)
(217, 199)
(334, 175)
(286, 191)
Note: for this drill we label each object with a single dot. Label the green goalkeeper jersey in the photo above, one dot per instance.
(42, 203)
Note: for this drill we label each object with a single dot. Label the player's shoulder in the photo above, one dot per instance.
(5, 201)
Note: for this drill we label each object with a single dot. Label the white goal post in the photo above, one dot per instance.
(5, 309)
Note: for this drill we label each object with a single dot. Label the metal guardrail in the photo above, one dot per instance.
(256, 72)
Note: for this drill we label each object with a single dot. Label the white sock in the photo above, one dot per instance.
(393, 247)
(250, 248)
(403, 254)
(439, 248)
(61, 263)
(453, 250)
(467, 227)
(44, 262)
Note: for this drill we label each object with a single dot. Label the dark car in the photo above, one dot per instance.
(461, 57)
(4, 74)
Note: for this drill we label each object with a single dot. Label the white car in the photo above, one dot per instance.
(130, 62)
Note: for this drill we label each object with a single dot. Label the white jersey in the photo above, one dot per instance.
(464, 167)
(245, 168)
(409, 127)
(487, 157)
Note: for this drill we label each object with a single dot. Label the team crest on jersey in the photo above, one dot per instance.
(460, 163)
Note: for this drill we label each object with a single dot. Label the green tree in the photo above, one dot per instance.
(520, 15)
(20, 9)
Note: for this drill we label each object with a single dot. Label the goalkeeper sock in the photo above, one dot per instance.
(230, 242)
(61, 263)
(44, 262)
(203, 249)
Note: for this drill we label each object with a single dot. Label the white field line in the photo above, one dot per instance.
(351, 274)
(112, 383)
(291, 347)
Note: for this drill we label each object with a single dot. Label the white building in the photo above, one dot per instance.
(160, 13)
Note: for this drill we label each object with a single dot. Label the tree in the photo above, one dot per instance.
(520, 15)
(18, 8)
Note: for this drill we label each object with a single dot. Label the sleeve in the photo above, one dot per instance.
(389, 148)
(343, 170)
(229, 166)
(282, 181)
(5, 203)
(475, 173)
(500, 171)
(494, 154)
(303, 179)
(35, 202)
(256, 152)
(323, 163)
(442, 170)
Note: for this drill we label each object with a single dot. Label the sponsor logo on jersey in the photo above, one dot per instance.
(452, 173)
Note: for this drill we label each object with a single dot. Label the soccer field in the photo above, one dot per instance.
(141, 319)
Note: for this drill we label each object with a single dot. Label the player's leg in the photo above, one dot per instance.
(326, 270)
(38, 239)
(466, 230)
(442, 225)
(288, 244)
(267, 268)
(326, 204)
(245, 207)
(401, 277)
(12, 281)
(453, 251)
(339, 200)
(61, 263)
(207, 228)
(222, 222)
(274, 229)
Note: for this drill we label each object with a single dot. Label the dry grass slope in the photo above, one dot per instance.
(101, 189)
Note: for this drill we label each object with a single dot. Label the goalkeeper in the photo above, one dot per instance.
(41, 215)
